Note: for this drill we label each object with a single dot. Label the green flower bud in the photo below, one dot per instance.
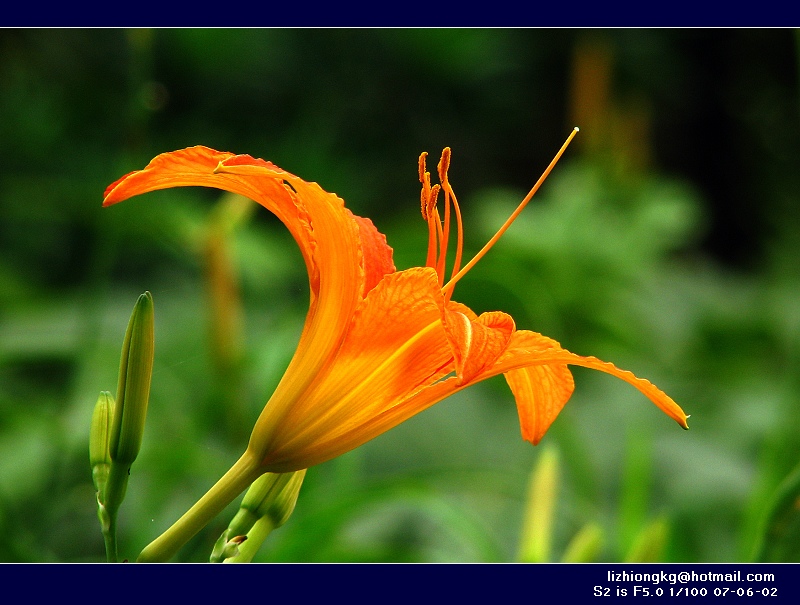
(263, 491)
(282, 505)
(99, 437)
(133, 390)
(257, 500)
(268, 504)
(129, 413)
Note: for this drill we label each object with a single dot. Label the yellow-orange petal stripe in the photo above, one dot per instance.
(395, 347)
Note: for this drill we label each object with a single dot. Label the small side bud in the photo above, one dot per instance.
(226, 547)
(99, 438)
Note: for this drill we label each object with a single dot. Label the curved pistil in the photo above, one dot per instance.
(438, 232)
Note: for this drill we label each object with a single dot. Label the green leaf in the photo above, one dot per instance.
(537, 528)
(779, 538)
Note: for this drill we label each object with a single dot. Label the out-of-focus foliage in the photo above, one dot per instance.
(779, 538)
(667, 241)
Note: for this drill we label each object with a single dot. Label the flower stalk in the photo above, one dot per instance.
(118, 426)
(234, 482)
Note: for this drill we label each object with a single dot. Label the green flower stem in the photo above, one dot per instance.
(109, 525)
(116, 486)
(234, 482)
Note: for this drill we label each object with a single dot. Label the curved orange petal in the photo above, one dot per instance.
(532, 349)
(341, 263)
(345, 255)
(196, 166)
(540, 392)
(651, 391)
(396, 347)
(477, 344)
(536, 370)
(377, 255)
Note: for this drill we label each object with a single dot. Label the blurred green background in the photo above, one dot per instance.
(666, 241)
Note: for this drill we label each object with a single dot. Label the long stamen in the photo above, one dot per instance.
(428, 197)
(434, 227)
(450, 198)
(460, 232)
(448, 287)
(445, 233)
(444, 164)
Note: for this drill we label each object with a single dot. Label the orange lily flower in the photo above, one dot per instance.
(379, 345)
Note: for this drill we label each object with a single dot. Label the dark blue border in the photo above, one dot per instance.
(370, 583)
(505, 13)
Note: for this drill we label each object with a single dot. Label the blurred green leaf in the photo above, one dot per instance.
(585, 545)
(536, 535)
(650, 544)
(779, 538)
